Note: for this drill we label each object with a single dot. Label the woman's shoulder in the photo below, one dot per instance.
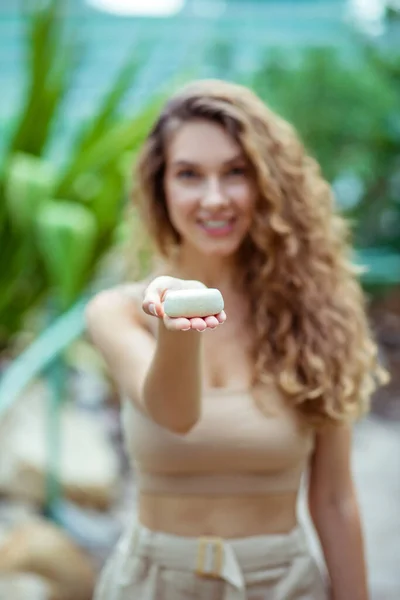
(133, 289)
(134, 292)
(127, 295)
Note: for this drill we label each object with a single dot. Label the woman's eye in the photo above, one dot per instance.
(187, 174)
(237, 171)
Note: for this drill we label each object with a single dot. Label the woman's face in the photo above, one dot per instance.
(209, 187)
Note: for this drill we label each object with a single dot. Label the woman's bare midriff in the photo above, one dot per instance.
(227, 517)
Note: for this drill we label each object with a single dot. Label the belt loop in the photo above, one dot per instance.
(216, 546)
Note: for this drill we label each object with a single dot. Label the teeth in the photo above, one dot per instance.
(216, 224)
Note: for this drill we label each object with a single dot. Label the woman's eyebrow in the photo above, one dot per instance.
(184, 163)
(189, 163)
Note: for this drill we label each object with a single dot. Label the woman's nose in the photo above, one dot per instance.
(214, 195)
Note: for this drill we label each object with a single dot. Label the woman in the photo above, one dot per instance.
(221, 427)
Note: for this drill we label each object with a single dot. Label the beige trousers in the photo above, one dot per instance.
(148, 565)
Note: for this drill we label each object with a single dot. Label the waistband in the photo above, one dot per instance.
(228, 559)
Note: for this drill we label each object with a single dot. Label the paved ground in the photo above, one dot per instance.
(376, 465)
(377, 473)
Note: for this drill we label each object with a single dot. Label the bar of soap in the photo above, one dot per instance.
(193, 303)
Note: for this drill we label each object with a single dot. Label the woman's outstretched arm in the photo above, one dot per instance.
(163, 376)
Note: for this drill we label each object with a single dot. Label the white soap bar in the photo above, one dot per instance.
(193, 303)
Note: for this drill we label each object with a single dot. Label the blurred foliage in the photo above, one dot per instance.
(220, 57)
(392, 11)
(346, 107)
(347, 112)
(57, 223)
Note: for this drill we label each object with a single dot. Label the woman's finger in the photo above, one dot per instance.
(195, 323)
(152, 305)
(211, 322)
(155, 294)
(184, 324)
(198, 324)
(177, 323)
(221, 317)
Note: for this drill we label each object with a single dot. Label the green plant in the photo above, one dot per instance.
(51, 213)
(347, 113)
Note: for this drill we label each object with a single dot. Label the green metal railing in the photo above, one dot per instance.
(44, 357)
(40, 356)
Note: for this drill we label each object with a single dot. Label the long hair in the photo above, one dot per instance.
(307, 310)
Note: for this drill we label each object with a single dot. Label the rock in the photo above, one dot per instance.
(15, 512)
(12, 514)
(97, 532)
(89, 465)
(24, 586)
(43, 550)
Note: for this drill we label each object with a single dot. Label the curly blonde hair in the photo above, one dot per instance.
(311, 332)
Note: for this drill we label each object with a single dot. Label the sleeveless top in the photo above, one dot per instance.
(235, 448)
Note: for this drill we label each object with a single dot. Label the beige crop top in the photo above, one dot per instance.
(235, 448)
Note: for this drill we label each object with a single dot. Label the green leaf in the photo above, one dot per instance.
(107, 111)
(66, 237)
(48, 75)
(106, 205)
(29, 183)
(121, 137)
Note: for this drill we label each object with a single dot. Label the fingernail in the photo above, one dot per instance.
(152, 309)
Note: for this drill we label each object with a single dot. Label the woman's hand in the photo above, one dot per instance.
(153, 304)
